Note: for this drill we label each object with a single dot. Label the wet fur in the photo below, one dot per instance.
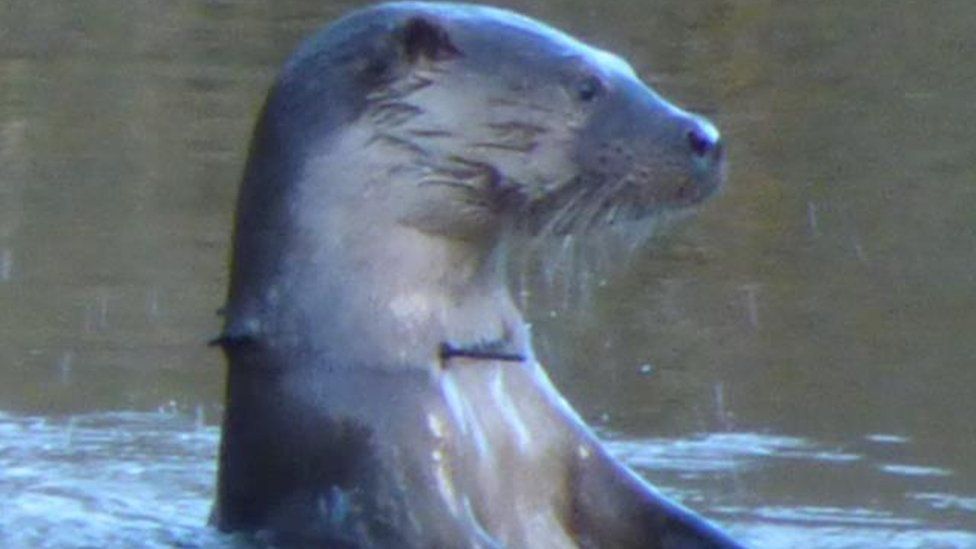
(382, 389)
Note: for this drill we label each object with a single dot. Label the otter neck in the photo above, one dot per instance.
(346, 272)
(369, 289)
(407, 293)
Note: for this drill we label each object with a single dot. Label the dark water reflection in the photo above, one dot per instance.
(797, 361)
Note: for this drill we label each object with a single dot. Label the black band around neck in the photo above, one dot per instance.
(448, 351)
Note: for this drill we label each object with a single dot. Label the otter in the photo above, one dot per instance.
(381, 387)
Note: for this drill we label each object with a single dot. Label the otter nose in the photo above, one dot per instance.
(704, 140)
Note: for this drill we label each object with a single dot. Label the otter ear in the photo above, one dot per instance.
(422, 38)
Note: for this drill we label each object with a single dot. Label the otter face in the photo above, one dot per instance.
(637, 154)
(490, 119)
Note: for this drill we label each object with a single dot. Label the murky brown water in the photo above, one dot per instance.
(797, 361)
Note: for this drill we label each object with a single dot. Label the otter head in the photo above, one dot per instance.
(401, 145)
(489, 120)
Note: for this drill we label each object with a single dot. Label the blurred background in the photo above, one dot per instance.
(796, 362)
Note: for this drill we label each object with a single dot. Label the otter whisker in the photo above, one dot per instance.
(565, 211)
(582, 203)
(587, 218)
(616, 203)
(610, 217)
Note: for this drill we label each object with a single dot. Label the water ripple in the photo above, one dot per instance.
(119, 479)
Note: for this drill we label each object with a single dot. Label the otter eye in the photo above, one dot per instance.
(589, 88)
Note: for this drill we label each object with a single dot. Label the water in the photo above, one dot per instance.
(110, 479)
(117, 479)
(796, 362)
